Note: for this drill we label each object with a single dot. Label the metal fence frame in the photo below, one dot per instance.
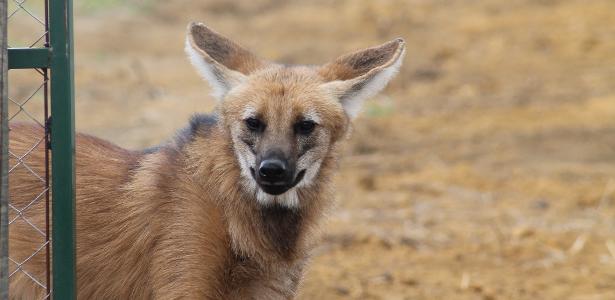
(58, 58)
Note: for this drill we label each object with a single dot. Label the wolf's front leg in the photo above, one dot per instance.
(271, 281)
(190, 258)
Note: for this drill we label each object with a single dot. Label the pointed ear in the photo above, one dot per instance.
(223, 63)
(357, 76)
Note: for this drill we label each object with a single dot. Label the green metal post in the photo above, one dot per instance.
(62, 149)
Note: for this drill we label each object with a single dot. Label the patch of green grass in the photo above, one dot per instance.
(95, 5)
(379, 107)
(92, 6)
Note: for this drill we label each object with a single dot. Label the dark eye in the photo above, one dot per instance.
(305, 127)
(255, 124)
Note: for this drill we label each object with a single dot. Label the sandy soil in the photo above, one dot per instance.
(486, 170)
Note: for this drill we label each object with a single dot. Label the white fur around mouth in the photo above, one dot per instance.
(288, 199)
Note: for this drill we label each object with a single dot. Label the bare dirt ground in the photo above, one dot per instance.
(486, 170)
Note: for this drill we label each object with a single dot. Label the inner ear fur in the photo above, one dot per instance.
(354, 77)
(363, 62)
(216, 48)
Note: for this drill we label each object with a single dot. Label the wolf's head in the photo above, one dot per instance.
(284, 120)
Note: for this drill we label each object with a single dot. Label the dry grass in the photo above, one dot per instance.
(485, 171)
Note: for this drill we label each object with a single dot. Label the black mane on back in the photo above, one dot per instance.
(199, 124)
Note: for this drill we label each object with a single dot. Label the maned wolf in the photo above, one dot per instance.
(230, 207)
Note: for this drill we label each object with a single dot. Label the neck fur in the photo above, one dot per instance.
(256, 230)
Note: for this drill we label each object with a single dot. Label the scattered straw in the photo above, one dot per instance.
(610, 245)
(578, 244)
(465, 281)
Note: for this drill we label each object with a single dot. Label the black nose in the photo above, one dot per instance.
(272, 170)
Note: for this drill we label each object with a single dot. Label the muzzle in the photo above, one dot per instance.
(275, 174)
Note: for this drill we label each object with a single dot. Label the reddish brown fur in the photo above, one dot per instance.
(178, 222)
(147, 225)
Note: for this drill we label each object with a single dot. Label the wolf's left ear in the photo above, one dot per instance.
(357, 76)
(223, 63)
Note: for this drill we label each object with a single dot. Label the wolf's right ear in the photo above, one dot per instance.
(220, 61)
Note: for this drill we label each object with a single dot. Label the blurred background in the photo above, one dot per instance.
(486, 170)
